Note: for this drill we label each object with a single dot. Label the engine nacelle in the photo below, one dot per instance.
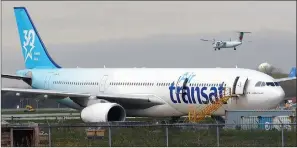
(103, 112)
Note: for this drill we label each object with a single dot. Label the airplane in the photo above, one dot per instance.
(112, 94)
(227, 44)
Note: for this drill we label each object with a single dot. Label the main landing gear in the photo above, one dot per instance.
(218, 49)
(174, 120)
(234, 48)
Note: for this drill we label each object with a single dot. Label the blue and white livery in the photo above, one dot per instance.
(112, 94)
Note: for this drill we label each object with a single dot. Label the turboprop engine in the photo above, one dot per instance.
(103, 112)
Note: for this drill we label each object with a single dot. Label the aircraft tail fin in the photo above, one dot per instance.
(241, 33)
(34, 51)
(292, 72)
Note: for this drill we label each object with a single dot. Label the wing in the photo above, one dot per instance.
(128, 101)
(206, 40)
(288, 85)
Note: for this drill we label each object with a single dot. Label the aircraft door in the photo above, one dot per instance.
(102, 83)
(239, 85)
(47, 82)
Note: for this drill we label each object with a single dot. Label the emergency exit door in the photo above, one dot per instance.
(102, 83)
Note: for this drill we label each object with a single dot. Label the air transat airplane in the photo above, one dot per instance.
(112, 94)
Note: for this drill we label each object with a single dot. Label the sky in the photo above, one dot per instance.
(155, 34)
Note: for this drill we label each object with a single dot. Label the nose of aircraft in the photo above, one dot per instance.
(278, 95)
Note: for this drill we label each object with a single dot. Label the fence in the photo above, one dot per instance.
(173, 135)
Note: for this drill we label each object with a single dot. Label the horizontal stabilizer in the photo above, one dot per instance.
(15, 77)
(28, 80)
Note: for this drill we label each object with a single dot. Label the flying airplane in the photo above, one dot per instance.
(112, 94)
(227, 44)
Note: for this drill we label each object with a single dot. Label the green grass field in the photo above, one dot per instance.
(156, 136)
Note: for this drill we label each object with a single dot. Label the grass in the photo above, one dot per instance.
(155, 136)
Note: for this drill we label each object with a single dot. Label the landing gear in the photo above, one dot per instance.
(215, 49)
(174, 120)
(219, 48)
(234, 48)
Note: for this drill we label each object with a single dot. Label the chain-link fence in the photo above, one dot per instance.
(173, 135)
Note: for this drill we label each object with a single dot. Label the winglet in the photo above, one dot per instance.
(292, 72)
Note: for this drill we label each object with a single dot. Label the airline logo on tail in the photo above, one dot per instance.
(28, 44)
(34, 51)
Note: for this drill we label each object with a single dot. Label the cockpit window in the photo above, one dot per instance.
(262, 84)
(270, 84)
(258, 84)
(276, 83)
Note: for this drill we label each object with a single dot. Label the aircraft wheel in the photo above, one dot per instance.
(234, 48)
(219, 48)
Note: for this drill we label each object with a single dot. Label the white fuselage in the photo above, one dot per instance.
(226, 44)
(164, 83)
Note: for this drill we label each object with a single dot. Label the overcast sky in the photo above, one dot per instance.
(155, 34)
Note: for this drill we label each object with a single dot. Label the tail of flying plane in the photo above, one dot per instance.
(292, 72)
(241, 35)
(34, 51)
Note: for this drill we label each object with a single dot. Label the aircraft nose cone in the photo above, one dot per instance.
(279, 94)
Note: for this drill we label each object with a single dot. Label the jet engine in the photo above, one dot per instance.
(103, 112)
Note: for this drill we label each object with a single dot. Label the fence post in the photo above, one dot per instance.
(49, 136)
(166, 135)
(218, 134)
(109, 136)
(283, 144)
(282, 126)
